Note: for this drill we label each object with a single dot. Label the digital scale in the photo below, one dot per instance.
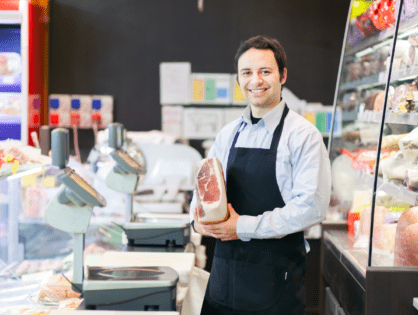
(124, 178)
(105, 288)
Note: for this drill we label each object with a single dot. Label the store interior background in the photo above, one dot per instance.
(115, 47)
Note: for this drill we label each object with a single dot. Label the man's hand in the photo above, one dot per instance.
(226, 231)
(199, 227)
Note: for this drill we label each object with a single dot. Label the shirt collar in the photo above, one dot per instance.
(270, 120)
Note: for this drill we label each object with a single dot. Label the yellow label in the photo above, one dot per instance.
(15, 166)
(238, 97)
(29, 180)
(198, 90)
(49, 181)
(310, 117)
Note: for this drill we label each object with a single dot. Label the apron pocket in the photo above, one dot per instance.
(256, 287)
(220, 281)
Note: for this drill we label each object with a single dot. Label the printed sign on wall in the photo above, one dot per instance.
(210, 88)
(237, 97)
(202, 123)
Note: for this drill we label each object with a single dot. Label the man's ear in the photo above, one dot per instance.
(284, 76)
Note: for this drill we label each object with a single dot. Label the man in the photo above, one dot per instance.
(278, 184)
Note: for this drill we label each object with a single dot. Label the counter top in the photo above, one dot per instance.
(354, 259)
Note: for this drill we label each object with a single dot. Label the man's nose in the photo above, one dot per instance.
(256, 79)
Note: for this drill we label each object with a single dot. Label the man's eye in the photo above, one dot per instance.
(266, 72)
(245, 73)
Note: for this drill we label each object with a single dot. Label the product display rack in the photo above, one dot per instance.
(359, 271)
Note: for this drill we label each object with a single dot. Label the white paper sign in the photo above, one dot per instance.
(172, 117)
(175, 83)
(202, 123)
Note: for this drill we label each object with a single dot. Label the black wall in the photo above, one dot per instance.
(115, 46)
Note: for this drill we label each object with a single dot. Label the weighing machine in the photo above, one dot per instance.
(124, 178)
(110, 288)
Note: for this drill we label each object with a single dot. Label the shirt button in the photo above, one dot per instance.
(252, 133)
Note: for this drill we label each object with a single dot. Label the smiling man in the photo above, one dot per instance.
(278, 182)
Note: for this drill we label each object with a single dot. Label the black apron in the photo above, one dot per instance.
(262, 276)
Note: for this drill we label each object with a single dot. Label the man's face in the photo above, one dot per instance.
(259, 77)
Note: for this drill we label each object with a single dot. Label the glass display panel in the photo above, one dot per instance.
(395, 223)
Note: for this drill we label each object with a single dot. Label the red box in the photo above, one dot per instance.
(54, 119)
(75, 119)
(352, 217)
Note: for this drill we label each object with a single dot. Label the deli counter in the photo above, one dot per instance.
(373, 267)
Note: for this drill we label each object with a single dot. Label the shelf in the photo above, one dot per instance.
(369, 42)
(370, 116)
(398, 75)
(349, 116)
(391, 117)
(397, 191)
(364, 83)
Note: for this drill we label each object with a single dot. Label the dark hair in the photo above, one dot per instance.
(264, 42)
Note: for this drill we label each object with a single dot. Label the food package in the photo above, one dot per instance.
(370, 101)
(397, 62)
(384, 238)
(384, 164)
(211, 192)
(35, 310)
(70, 304)
(380, 99)
(379, 219)
(391, 142)
(365, 160)
(395, 168)
(409, 145)
(412, 179)
(406, 249)
(413, 51)
(380, 15)
(57, 289)
(399, 97)
(354, 71)
(349, 101)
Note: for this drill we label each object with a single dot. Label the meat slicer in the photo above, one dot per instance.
(108, 288)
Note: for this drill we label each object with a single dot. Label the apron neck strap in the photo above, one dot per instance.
(277, 132)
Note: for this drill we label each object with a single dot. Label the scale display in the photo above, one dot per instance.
(77, 184)
(124, 157)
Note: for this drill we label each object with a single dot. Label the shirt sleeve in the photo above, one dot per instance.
(310, 194)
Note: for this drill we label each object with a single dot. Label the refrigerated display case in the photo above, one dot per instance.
(373, 268)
